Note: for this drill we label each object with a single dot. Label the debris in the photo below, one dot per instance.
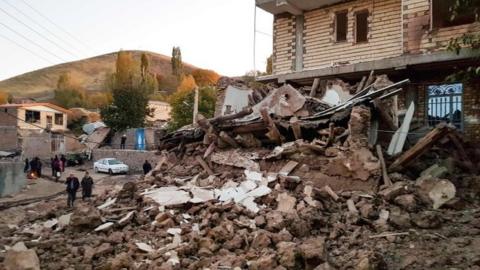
(398, 139)
(236, 158)
(21, 258)
(388, 234)
(332, 193)
(442, 192)
(204, 165)
(145, 247)
(107, 203)
(386, 178)
(104, 227)
(286, 203)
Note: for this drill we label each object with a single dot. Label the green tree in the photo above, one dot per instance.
(176, 61)
(182, 106)
(130, 95)
(269, 69)
(69, 93)
(467, 40)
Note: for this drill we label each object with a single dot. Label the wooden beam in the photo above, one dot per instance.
(229, 140)
(297, 130)
(273, 133)
(386, 179)
(315, 86)
(204, 165)
(420, 147)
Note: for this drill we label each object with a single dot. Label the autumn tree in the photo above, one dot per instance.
(182, 106)
(130, 95)
(468, 40)
(176, 61)
(4, 97)
(187, 84)
(205, 77)
(69, 93)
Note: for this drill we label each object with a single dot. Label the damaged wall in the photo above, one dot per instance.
(8, 141)
(419, 37)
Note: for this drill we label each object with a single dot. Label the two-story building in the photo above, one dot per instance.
(339, 39)
(36, 129)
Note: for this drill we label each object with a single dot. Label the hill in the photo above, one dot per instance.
(90, 72)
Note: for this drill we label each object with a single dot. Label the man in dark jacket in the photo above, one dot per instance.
(147, 167)
(87, 185)
(72, 187)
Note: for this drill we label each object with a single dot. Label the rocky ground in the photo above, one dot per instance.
(298, 226)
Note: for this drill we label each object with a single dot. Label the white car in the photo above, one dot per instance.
(110, 165)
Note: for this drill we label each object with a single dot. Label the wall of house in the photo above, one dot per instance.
(8, 138)
(470, 105)
(418, 35)
(7, 117)
(283, 43)
(384, 36)
(161, 111)
(44, 112)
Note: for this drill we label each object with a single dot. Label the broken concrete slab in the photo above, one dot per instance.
(237, 159)
(109, 202)
(21, 258)
(144, 247)
(286, 203)
(104, 227)
(442, 192)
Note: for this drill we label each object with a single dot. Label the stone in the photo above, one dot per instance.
(235, 243)
(264, 262)
(287, 254)
(103, 249)
(262, 240)
(407, 202)
(21, 259)
(275, 221)
(85, 217)
(286, 203)
(400, 220)
(367, 210)
(427, 220)
(127, 192)
(442, 192)
(260, 221)
(313, 252)
(397, 189)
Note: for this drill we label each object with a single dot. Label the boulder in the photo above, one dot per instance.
(21, 258)
(85, 217)
(287, 254)
(313, 252)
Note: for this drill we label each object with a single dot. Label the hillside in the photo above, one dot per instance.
(90, 72)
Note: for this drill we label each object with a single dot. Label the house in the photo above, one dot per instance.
(338, 40)
(36, 129)
(160, 112)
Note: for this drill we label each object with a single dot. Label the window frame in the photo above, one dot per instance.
(355, 30)
(58, 116)
(462, 102)
(335, 30)
(433, 26)
(28, 118)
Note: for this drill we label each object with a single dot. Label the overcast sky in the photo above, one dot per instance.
(213, 34)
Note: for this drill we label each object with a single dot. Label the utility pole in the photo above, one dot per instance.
(195, 107)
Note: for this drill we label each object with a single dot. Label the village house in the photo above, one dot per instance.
(35, 129)
(337, 41)
(160, 113)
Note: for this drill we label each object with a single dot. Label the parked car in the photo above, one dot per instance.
(110, 165)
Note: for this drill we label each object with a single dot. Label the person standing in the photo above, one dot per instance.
(63, 162)
(27, 166)
(123, 140)
(87, 186)
(39, 167)
(52, 166)
(56, 168)
(33, 166)
(147, 167)
(72, 187)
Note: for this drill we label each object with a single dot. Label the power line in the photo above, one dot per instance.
(43, 27)
(56, 25)
(33, 42)
(25, 48)
(39, 34)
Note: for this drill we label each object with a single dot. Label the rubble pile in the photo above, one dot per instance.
(285, 184)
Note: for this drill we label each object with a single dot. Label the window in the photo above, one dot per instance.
(32, 116)
(361, 26)
(59, 119)
(445, 104)
(442, 15)
(341, 26)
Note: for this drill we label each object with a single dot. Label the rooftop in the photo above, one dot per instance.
(27, 105)
(295, 7)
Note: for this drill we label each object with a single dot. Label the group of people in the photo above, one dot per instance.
(73, 185)
(33, 166)
(58, 166)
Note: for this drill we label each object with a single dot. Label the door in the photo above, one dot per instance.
(49, 121)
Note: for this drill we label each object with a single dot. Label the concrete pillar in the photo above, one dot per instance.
(299, 22)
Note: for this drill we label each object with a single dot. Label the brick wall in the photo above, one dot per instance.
(133, 158)
(471, 107)
(7, 117)
(417, 33)
(8, 138)
(283, 43)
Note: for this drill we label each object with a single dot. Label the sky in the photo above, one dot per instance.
(212, 34)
